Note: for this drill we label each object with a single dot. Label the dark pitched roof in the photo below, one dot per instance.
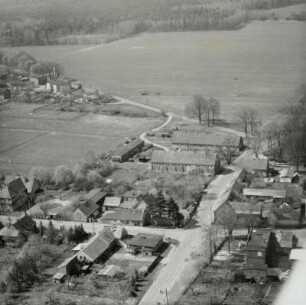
(123, 149)
(124, 215)
(98, 244)
(24, 223)
(145, 240)
(18, 193)
(184, 157)
(88, 207)
(265, 193)
(259, 239)
(203, 139)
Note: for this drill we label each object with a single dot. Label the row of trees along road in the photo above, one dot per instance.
(202, 107)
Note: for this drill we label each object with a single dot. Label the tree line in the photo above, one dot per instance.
(203, 108)
(51, 21)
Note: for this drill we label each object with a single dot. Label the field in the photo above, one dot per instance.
(260, 65)
(48, 138)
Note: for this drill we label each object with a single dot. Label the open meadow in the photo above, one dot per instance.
(260, 65)
(49, 138)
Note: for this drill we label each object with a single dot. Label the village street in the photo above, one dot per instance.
(183, 266)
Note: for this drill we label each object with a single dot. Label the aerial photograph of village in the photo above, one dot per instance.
(152, 152)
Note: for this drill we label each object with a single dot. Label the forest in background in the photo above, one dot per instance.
(48, 22)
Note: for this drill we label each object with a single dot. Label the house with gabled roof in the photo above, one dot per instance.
(111, 203)
(133, 217)
(98, 247)
(147, 244)
(87, 211)
(188, 162)
(124, 152)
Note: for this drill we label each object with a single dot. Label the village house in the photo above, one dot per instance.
(124, 152)
(90, 206)
(259, 167)
(211, 142)
(186, 162)
(246, 214)
(70, 266)
(121, 216)
(265, 194)
(132, 195)
(147, 244)
(98, 247)
(39, 80)
(111, 203)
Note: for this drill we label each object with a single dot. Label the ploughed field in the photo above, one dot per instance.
(31, 135)
(260, 65)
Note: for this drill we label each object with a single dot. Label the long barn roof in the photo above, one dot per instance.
(184, 157)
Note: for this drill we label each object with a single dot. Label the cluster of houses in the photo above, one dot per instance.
(111, 254)
(17, 227)
(128, 209)
(267, 254)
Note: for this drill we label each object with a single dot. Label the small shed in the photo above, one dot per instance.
(59, 278)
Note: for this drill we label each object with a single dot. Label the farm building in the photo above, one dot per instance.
(255, 271)
(70, 266)
(265, 194)
(87, 211)
(111, 203)
(125, 152)
(134, 217)
(246, 214)
(14, 196)
(90, 206)
(98, 248)
(186, 162)
(39, 79)
(147, 244)
(213, 142)
(59, 278)
(257, 166)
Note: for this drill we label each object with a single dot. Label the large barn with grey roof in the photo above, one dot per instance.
(188, 162)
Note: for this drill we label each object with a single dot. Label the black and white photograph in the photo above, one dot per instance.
(152, 152)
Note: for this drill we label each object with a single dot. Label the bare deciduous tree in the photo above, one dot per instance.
(198, 107)
(214, 107)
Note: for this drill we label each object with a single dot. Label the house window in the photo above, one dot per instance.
(259, 253)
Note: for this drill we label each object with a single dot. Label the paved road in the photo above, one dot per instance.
(182, 268)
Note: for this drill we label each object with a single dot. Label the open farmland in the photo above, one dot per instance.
(260, 65)
(30, 137)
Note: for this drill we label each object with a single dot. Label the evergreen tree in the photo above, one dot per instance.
(51, 233)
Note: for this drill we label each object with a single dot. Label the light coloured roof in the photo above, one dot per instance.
(98, 244)
(4, 193)
(264, 193)
(246, 207)
(110, 270)
(132, 194)
(95, 195)
(204, 139)
(129, 204)
(184, 157)
(9, 232)
(59, 276)
(124, 215)
(112, 201)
